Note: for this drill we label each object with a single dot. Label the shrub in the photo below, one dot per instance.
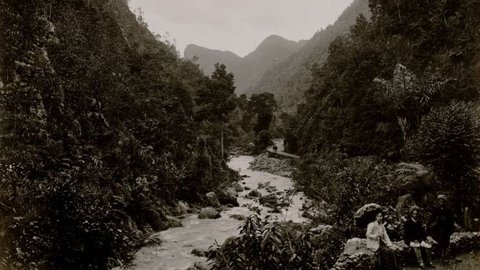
(265, 245)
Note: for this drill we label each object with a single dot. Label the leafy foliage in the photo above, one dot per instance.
(345, 110)
(98, 133)
(448, 141)
(266, 245)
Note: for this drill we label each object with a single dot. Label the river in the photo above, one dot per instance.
(177, 243)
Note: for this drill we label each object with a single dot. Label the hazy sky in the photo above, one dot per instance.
(236, 25)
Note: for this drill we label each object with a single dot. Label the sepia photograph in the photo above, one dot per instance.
(239, 134)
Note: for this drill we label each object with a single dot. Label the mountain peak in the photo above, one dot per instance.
(275, 41)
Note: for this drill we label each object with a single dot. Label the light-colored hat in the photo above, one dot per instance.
(442, 197)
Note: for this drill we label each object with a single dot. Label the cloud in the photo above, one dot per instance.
(237, 25)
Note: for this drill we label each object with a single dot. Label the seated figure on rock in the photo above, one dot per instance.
(379, 242)
(416, 238)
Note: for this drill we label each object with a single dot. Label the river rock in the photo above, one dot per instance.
(208, 213)
(182, 208)
(156, 219)
(202, 266)
(268, 205)
(271, 199)
(275, 210)
(228, 197)
(307, 205)
(237, 187)
(198, 252)
(238, 217)
(255, 193)
(174, 222)
(212, 199)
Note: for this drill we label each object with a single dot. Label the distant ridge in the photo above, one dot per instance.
(249, 69)
(207, 58)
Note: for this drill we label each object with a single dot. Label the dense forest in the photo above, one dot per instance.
(104, 128)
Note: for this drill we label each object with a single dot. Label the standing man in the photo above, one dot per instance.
(441, 225)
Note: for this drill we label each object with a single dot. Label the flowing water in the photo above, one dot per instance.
(175, 250)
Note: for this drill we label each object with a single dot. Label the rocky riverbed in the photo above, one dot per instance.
(262, 193)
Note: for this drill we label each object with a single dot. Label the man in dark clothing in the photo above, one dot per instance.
(416, 238)
(441, 225)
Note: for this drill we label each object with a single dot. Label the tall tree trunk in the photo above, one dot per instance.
(221, 140)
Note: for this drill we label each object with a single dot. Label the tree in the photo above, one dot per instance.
(262, 106)
(449, 142)
(216, 100)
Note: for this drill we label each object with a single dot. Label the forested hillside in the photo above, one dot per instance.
(288, 80)
(247, 70)
(102, 128)
(378, 82)
(398, 94)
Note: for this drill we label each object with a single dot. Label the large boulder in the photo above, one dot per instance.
(182, 208)
(174, 222)
(238, 217)
(465, 242)
(156, 218)
(199, 252)
(270, 199)
(212, 199)
(255, 193)
(209, 213)
(356, 255)
(228, 196)
(202, 266)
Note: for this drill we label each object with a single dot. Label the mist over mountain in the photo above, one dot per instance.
(249, 69)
